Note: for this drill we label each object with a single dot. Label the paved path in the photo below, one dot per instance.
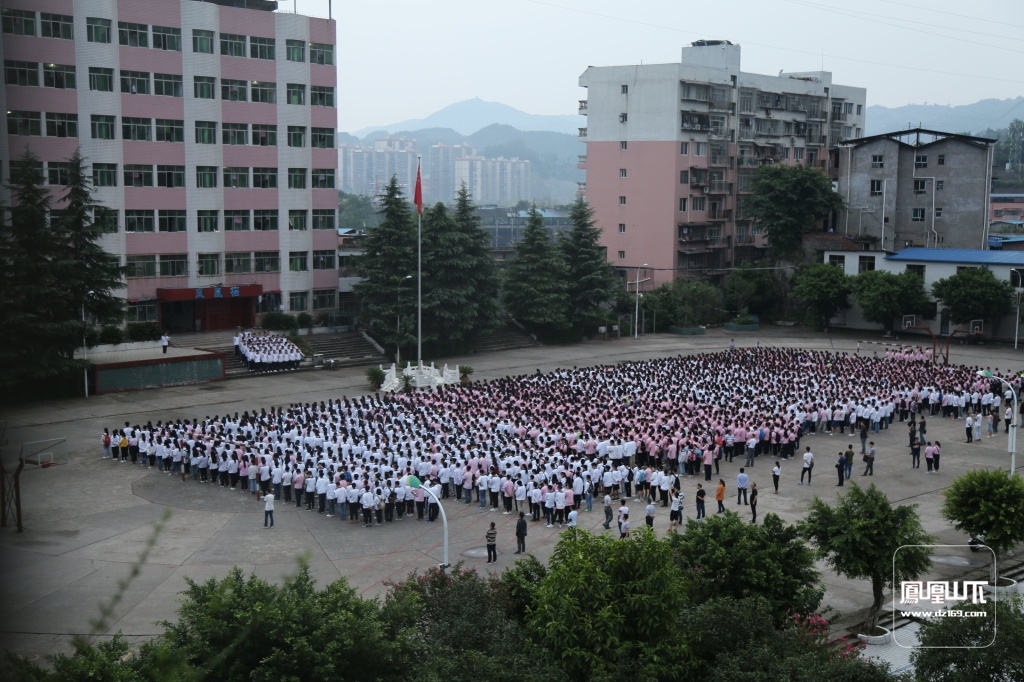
(88, 521)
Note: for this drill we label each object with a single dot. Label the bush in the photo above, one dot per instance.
(375, 375)
(304, 320)
(280, 322)
(744, 320)
(323, 320)
(143, 331)
(111, 335)
(302, 344)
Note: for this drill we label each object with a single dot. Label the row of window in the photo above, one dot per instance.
(920, 186)
(228, 263)
(99, 30)
(142, 175)
(920, 160)
(298, 301)
(235, 220)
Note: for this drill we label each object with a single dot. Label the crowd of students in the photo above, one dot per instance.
(548, 445)
(264, 352)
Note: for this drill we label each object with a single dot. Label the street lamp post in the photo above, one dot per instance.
(1016, 330)
(416, 483)
(85, 347)
(1011, 445)
(636, 314)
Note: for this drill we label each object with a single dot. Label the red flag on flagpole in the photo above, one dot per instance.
(418, 196)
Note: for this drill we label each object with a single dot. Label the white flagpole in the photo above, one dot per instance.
(419, 272)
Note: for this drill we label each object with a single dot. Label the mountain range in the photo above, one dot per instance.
(471, 115)
(988, 114)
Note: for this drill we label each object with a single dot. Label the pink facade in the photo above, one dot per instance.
(176, 146)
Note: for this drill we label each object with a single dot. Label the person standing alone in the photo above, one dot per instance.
(869, 470)
(164, 340)
(268, 510)
(521, 534)
(491, 537)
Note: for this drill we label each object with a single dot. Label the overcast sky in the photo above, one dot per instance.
(401, 59)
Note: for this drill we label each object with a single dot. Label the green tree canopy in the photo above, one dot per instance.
(788, 201)
(728, 557)
(357, 212)
(480, 270)
(824, 290)
(695, 302)
(753, 288)
(591, 280)
(534, 285)
(884, 296)
(972, 294)
(988, 502)
(859, 538)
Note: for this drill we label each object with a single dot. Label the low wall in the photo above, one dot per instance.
(105, 348)
(741, 327)
(686, 331)
(132, 376)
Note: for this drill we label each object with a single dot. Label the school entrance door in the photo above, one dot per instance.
(208, 309)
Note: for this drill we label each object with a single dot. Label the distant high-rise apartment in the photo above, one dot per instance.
(367, 170)
(671, 151)
(210, 131)
(500, 181)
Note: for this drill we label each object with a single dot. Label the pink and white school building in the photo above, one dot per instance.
(671, 150)
(210, 132)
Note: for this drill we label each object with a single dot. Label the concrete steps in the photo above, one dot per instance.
(349, 349)
(507, 337)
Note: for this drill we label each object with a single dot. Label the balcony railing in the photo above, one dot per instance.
(583, 107)
(723, 105)
(719, 214)
(719, 187)
(583, 132)
(718, 242)
(698, 181)
(838, 116)
(744, 239)
(581, 161)
(720, 160)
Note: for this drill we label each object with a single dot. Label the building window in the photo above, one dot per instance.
(296, 178)
(237, 263)
(267, 261)
(104, 174)
(202, 41)
(837, 260)
(135, 82)
(942, 159)
(295, 50)
(296, 136)
(233, 90)
(232, 45)
(798, 153)
(297, 220)
(136, 129)
(622, 145)
(236, 220)
(105, 219)
(940, 185)
(261, 48)
(684, 177)
(876, 188)
(170, 176)
(170, 130)
(264, 220)
(61, 125)
(920, 186)
(622, 255)
(865, 263)
(206, 132)
(323, 178)
(138, 175)
(21, 73)
(144, 311)
(321, 96)
(57, 173)
(325, 299)
(167, 85)
(296, 93)
(684, 148)
(622, 201)
(298, 261)
(138, 221)
(59, 76)
(298, 301)
(322, 138)
(264, 92)
(624, 89)
(324, 259)
(938, 212)
(921, 161)
(622, 228)
(101, 79)
(700, 149)
(859, 109)
(622, 172)
(207, 221)
(682, 203)
(133, 35)
(57, 26)
(234, 133)
(264, 135)
(167, 38)
(264, 178)
(204, 87)
(24, 123)
(698, 203)
(321, 53)
(918, 215)
(172, 221)
(206, 177)
(140, 266)
(18, 22)
(236, 176)
(102, 127)
(208, 264)
(323, 218)
(174, 265)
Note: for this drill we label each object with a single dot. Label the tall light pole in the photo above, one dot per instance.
(1011, 445)
(398, 325)
(1016, 329)
(636, 315)
(416, 483)
(85, 347)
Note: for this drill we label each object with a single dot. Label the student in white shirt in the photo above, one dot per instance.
(268, 510)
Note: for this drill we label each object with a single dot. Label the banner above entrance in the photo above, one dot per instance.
(207, 293)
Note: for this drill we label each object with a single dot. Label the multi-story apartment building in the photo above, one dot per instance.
(494, 181)
(439, 173)
(1006, 207)
(915, 187)
(366, 170)
(671, 151)
(210, 133)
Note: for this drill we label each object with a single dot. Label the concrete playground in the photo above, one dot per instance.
(87, 522)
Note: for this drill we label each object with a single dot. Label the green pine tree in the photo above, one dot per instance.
(535, 280)
(480, 269)
(388, 268)
(591, 279)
